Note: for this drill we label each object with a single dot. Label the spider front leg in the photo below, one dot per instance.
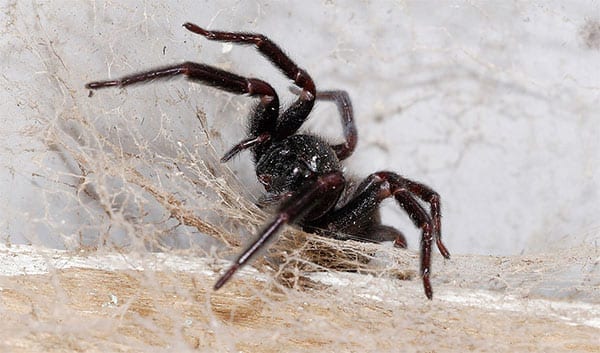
(265, 113)
(376, 188)
(297, 206)
(291, 119)
(344, 105)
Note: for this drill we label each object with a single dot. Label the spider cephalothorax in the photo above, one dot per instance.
(302, 173)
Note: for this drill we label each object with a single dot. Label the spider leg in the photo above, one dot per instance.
(245, 144)
(371, 192)
(426, 194)
(291, 119)
(265, 115)
(386, 233)
(344, 105)
(422, 220)
(293, 209)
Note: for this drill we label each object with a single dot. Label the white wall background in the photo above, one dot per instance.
(494, 104)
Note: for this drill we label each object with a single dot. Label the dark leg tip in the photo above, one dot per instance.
(400, 242)
(427, 283)
(101, 84)
(194, 28)
(443, 250)
(427, 287)
(226, 276)
(230, 154)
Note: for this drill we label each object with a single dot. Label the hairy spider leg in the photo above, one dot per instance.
(422, 220)
(265, 113)
(295, 115)
(379, 186)
(427, 194)
(293, 209)
(344, 105)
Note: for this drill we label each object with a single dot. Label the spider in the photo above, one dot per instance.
(302, 173)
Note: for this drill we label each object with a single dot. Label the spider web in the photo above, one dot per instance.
(117, 216)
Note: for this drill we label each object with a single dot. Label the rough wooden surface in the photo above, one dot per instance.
(165, 303)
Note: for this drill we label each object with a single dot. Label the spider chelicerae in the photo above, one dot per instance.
(302, 173)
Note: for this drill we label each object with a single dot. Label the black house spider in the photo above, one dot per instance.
(302, 173)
